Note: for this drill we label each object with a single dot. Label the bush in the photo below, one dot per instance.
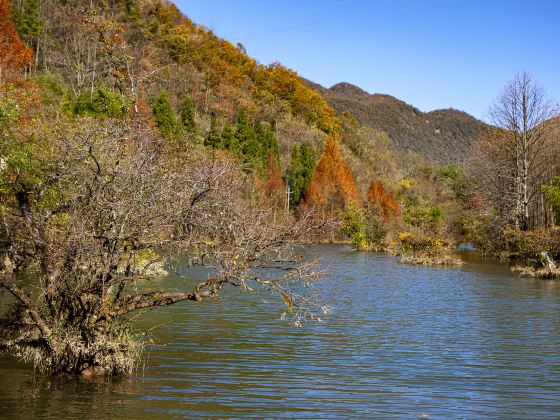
(103, 103)
(364, 227)
(552, 194)
(353, 224)
(526, 245)
(451, 173)
(417, 243)
(416, 248)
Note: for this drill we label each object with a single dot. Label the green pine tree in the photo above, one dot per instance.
(228, 138)
(213, 137)
(163, 115)
(102, 103)
(245, 137)
(27, 19)
(552, 194)
(272, 143)
(187, 115)
(298, 174)
(260, 146)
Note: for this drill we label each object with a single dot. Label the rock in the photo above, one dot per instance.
(548, 262)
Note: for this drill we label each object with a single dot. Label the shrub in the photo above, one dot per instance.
(526, 245)
(102, 103)
(354, 225)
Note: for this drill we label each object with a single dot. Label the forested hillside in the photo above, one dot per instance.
(165, 50)
(449, 131)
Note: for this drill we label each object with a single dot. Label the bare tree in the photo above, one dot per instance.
(514, 160)
(491, 168)
(95, 207)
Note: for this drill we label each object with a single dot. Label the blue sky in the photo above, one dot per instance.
(431, 54)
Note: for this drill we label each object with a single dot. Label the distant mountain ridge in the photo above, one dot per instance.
(442, 136)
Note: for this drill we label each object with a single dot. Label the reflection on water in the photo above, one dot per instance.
(405, 341)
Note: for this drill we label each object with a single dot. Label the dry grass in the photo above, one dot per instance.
(541, 273)
(421, 259)
(109, 350)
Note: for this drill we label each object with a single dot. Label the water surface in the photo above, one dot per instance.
(402, 341)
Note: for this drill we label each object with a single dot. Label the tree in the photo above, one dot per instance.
(245, 137)
(14, 55)
(140, 113)
(94, 206)
(187, 115)
(273, 187)
(163, 114)
(382, 202)
(213, 136)
(552, 194)
(28, 22)
(228, 138)
(354, 224)
(270, 143)
(332, 184)
(367, 226)
(521, 113)
(103, 103)
(298, 174)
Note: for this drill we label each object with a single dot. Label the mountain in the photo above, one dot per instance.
(441, 136)
(149, 49)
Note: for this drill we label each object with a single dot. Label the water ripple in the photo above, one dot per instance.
(403, 341)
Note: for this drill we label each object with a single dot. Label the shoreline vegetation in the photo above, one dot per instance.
(130, 136)
(541, 273)
(443, 260)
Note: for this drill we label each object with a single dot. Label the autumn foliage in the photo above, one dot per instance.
(383, 201)
(140, 114)
(273, 187)
(332, 184)
(14, 55)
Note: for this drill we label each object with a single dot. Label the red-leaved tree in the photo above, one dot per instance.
(14, 55)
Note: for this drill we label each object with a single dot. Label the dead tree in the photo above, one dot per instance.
(522, 111)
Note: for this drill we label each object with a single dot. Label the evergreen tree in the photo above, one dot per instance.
(243, 131)
(260, 147)
(28, 21)
(552, 194)
(299, 172)
(272, 142)
(163, 115)
(213, 138)
(245, 138)
(254, 143)
(187, 115)
(228, 138)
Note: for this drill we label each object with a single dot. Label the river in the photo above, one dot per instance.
(401, 341)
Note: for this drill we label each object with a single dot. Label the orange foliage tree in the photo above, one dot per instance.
(273, 187)
(332, 184)
(140, 115)
(14, 55)
(382, 201)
